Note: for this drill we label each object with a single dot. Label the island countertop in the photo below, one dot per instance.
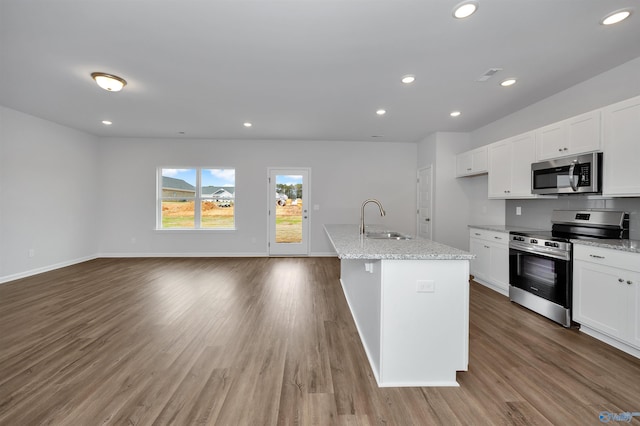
(349, 244)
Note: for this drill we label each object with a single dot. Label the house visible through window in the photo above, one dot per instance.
(196, 198)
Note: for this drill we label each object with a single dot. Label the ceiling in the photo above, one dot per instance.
(298, 69)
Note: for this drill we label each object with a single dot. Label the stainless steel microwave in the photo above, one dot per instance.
(581, 174)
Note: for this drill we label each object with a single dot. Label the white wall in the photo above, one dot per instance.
(617, 84)
(48, 193)
(451, 202)
(343, 175)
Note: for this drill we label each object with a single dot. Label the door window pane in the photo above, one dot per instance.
(289, 209)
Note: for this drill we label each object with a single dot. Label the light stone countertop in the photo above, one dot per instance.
(349, 244)
(504, 228)
(630, 246)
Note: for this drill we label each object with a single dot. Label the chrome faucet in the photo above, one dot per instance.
(370, 200)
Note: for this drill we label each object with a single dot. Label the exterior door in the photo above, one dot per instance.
(425, 203)
(289, 212)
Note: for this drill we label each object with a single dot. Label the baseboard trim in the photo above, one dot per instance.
(130, 255)
(36, 271)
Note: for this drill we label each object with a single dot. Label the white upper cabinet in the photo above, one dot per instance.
(621, 149)
(472, 162)
(510, 167)
(575, 135)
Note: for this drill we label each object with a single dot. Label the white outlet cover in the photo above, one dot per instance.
(426, 286)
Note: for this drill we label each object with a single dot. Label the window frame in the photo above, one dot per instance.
(197, 199)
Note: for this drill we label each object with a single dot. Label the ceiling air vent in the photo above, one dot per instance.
(488, 74)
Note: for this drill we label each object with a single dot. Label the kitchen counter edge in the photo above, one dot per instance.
(348, 244)
(503, 228)
(629, 246)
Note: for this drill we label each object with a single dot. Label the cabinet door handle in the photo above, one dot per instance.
(620, 280)
(629, 282)
(559, 149)
(498, 238)
(477, 234)
(487, 247)
(596, 256)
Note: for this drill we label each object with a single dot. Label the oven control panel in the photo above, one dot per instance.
(523, 241)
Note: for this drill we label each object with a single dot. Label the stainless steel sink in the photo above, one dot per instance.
(386, 235)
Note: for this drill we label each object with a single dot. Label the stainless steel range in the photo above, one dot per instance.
(540, 262)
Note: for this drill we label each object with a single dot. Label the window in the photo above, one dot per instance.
(196, 198)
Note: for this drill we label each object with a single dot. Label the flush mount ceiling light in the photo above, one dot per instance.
(247, 124)
(465, 9)
(107, 122)
(455, 113)
(508, 82)
(615, 17)
(408, 79)
(110, 83)
(381, 111)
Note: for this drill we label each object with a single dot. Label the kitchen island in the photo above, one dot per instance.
(410, 302)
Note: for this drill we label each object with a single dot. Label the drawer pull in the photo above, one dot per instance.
(620, 280)
(477, 234)
(629, 282)
(498, 238)
(596, 256)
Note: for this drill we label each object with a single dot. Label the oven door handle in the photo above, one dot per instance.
(543, 251)
(572, 181)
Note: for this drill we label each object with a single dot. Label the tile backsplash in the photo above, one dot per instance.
(537, 213)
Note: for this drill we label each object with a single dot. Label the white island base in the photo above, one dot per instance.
(412, 316)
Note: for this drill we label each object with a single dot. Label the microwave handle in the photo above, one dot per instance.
(572, 181)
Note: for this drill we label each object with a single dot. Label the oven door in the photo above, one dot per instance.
(540, 274)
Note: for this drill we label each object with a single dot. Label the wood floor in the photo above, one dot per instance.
(269, 341)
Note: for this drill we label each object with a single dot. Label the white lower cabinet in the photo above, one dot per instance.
(491, 265)
(606, 295)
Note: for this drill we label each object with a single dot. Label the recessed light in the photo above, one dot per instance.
(109, 82)
(508, 82)
(247, 124)
(381, 111)
(465, 9)
(408, 79)
(455, 113)
(615, 17)
(107, 122)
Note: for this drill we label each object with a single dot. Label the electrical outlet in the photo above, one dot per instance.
(32, 252)
(426, 286)
(518, 211)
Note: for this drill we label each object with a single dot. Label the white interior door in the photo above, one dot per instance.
(289, 212)
(425, 203)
